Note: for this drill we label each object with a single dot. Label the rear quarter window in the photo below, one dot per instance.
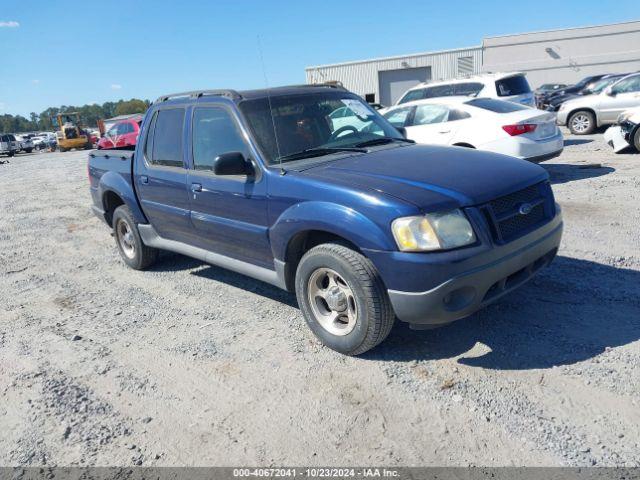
(517, 85)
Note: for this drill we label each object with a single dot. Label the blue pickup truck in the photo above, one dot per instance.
(364, 225)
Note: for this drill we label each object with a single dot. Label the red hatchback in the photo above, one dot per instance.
(123, 134)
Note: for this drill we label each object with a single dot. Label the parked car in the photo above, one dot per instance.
(8, 145)
(45, 140)
(626, 132)
(595, 87)
(363, 224)
(544, 98)
(25, 143)
(584, 114)
(123, 134)
(546, 89)
(482, 123)
(512, 87)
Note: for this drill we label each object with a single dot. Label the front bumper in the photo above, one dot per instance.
(484, 279)
(561, 117)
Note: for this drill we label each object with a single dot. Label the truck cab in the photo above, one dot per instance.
(362, 224)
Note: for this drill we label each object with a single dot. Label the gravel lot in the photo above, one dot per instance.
(189, 364)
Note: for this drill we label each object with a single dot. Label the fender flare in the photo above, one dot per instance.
(331, 218)
(115, 182)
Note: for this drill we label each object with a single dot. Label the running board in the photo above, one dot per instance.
(151, 239)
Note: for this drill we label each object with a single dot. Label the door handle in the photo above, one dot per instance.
(196, 187)
(444, 131)
(144, 179)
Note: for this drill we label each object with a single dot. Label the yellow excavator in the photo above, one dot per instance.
(69, 132)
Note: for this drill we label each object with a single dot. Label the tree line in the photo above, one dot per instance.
(89, 115)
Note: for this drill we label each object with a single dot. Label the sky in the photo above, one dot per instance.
(72, 53)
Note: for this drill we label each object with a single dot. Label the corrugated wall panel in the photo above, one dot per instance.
(362, 77)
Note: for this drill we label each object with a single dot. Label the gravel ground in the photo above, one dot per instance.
(188, 364)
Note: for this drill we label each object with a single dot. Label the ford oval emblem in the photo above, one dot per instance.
(525, 209)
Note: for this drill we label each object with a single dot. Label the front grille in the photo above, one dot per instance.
(506, 219)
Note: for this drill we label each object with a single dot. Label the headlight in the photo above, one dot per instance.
(434, 231)
(623, 116)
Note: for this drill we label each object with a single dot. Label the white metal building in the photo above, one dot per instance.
(565, 56)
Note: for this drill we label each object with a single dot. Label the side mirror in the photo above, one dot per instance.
(403, 131)
(232, 163)
(609, 91)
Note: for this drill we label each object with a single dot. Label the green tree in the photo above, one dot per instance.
(131, 106)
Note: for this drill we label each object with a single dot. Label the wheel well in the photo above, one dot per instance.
(111, 201)
(462, 144)
(301, 243)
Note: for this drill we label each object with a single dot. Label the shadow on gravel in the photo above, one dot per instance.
(570, 313)
(170, 262)
(564, 172)
(579, 141)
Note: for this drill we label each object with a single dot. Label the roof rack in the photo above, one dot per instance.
(329, 84)
(201, 93)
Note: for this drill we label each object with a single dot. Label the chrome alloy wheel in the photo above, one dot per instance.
(332, 302)
(126, 239)
(580, 123)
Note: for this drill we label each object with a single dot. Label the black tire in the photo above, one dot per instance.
(636, 139)
(62, 149)
(375, 316)
(29, 150)
(12, 153)
(582, 122)
(139, 257)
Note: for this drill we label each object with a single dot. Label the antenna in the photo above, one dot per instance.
(273, 121)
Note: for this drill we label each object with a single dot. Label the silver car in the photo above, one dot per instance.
(25, 143)
(8, 145)
(584, 114)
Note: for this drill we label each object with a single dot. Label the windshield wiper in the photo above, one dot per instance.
(319, 151)
(383, 141)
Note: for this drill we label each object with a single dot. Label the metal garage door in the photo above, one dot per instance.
(393, 83)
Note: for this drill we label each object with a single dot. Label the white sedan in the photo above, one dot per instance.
(482, 123)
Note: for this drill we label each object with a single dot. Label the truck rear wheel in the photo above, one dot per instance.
(132, 250)
(343, 299)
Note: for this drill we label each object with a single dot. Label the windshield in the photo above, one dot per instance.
(324, 122)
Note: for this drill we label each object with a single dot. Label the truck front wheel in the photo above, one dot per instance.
(343, 299)
(132, 250)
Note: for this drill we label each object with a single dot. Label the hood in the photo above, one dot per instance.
(433, 177)
(591, 100)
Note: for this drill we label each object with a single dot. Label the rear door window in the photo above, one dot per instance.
(167, 138)
(516, 85)
(455, 114)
